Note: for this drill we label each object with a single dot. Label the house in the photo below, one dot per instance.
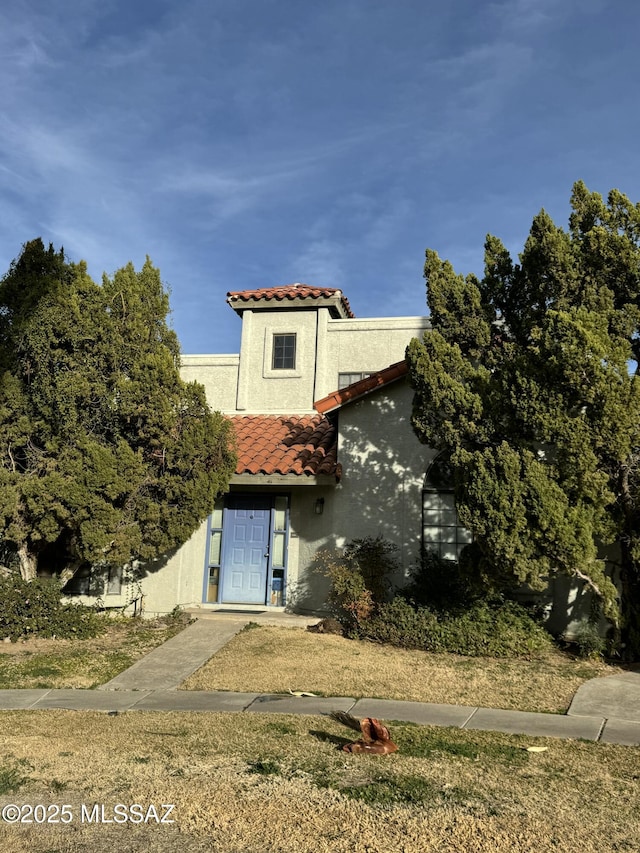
(321, 408)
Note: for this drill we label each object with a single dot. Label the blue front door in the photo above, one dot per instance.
(245, 551)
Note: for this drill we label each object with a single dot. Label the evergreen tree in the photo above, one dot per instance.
(528, 380)
(106, 454)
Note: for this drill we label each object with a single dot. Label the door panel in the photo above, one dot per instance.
(245, 552)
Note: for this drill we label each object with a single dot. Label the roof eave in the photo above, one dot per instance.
(335, 304)
(362, 388)
(285, 479)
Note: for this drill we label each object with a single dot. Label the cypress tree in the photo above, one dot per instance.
(529, 380)
(106, 455)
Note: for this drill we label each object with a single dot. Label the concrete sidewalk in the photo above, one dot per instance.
(605, 709)
(593, 728)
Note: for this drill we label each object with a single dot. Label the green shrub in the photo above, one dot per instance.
(34, 609)
(441, 584)
(349, 598)
(376, 560)
(588, 640)
(359, 578)
(434, 582)
(498, 630)
(11, 780)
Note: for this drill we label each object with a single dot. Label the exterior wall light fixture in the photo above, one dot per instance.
(319, 506)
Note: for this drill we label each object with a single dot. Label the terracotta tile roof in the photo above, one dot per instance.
(288, 291)
(286, 444)
(361, 388)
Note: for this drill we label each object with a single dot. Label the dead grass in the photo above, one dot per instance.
(249, 782)
(40, 663)
(272, 660)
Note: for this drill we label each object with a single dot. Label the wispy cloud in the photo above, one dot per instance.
(319, 263)
(246, 142)
(524, 16)
(226, 195)
(23, 45)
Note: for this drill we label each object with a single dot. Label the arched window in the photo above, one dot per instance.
(441, 528)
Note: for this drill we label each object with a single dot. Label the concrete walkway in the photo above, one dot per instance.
(604, 709)
(168, 665)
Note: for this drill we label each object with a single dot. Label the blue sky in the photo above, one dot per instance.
(250, 143)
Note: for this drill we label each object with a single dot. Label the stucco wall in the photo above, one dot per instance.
(218, 374)
(262, 389)
(383, 472)
(365, 346)
(380, 493)
(177, 580)
(246, 383)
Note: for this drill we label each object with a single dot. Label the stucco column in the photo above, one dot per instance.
(244, 368)
(323, 384)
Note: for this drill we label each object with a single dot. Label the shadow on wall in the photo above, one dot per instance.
(115, 586)
(379, 494)
(383, 464)
(309, 594)
(567, 604)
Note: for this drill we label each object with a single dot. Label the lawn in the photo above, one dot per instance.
(273, 660)
(37, 663)
(257, 782)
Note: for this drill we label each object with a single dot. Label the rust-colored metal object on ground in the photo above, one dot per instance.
(375, 740)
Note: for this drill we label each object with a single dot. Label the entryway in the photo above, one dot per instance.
(246, 558)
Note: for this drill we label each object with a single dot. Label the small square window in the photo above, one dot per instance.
(284, 352)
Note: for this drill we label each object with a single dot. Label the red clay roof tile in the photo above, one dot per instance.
(288, 444)
(361, 388)
(288, 291)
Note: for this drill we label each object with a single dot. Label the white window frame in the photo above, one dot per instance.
(271, 372)
(342, 383)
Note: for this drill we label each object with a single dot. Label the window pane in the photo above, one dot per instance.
(442, 531)
(449, 552)
(114, 581)
(464, 536)
(216, 515)
(212, 586)
(431, 534)
(345, 379)
(448, 501)
(214, 553)
(280, 521)
(284, 352)
(432, 500)
(278, 549)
